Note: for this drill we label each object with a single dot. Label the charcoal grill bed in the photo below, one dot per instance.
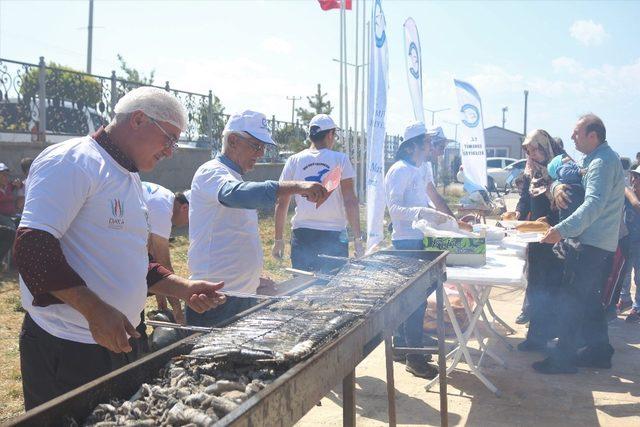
(297, 390)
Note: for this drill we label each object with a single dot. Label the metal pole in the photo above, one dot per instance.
(210, 119)
(355, 98)
(114, 93)
(347, 144)
(391, 388)
(293, 100)
(526, 102)
(42, 101)
(90, 41)
(341, 68)
(504, 118)
(363, 141)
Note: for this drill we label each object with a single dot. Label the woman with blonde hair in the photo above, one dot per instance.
(544, 268)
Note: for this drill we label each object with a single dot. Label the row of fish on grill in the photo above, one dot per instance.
(227, 366)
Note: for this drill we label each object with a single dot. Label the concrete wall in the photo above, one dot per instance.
(175, 173)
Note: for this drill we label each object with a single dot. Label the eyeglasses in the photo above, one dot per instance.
(256, 147)
(173, 141)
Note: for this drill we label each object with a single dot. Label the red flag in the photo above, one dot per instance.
(334, 4)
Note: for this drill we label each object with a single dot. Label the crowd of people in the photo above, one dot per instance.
(93, 240)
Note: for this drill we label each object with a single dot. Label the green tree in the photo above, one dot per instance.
(218, 121)
(318, 105)
(133, 75)
(63, 84)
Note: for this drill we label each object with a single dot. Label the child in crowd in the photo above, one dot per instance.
(563, 169)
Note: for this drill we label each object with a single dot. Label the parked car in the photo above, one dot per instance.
(501, 171)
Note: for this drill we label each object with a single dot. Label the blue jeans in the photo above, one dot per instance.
(634, 263)
(411, 332)
(307, 244)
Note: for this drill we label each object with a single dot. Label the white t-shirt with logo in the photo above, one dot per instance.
(313, 165)
(95, 207)
(160, 204)
(427, 175)
(405, 191)
(224, 243)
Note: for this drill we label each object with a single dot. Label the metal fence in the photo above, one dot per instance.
(42, 100)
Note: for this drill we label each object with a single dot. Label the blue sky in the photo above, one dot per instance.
(573, 57)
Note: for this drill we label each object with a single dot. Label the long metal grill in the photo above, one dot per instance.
(229, 365)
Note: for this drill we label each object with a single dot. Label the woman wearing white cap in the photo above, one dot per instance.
(319, 229)
(407, 201)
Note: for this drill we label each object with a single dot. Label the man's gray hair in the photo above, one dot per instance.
(226, 133)
(155, 103)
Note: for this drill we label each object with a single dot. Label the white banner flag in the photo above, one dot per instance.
(378, 84)
(471, 137)
(413, 60)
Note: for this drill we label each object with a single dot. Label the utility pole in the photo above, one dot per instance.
(90, 41)
(526, 101)
(293, 100)
(433, 113)
(504, 115)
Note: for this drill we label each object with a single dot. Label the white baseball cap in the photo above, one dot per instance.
(321, 122)
(636, 170)
(3, 167)
(253, 123)
(414, 129)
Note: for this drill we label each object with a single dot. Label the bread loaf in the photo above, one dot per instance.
(508, 216)
(532, 227)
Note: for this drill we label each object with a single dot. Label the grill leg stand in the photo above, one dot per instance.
(391, 387)
(349, 400)
(442, 359)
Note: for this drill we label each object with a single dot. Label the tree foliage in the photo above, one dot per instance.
(133, 75)
(317, 104)
(63, 84)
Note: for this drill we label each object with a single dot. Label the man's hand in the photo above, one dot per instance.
(358, 246)
(552, 237)
(110, 328)
(435, 217)
(267, 287)
(312, 191)
(278, 248)
(202, 296)
(561, 195)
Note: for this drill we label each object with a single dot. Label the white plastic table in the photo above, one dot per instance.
(504, 268)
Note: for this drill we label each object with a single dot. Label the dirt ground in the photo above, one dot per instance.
(589, 398)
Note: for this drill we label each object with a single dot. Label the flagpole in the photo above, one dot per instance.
(365, 113)
(355, 95)
(341, 68)
(347, 145)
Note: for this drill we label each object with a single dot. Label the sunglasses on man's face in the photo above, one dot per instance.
(256, 147)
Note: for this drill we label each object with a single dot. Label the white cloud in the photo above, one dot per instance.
(566, 64)
(277, 45)
(588, 32)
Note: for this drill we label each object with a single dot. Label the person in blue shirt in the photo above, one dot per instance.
(592, 232)
(632, 221)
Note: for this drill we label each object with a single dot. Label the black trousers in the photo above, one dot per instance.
(544, 279)
(582, 315)
(51, 366)
(307, 244)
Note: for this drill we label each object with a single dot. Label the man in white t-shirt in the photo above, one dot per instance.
(166, 210)
(81, 249)
(407, 200)
(319, 230)
(224, 239)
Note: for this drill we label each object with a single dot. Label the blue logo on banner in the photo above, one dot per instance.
(471, 115)
(379, 25)
(414, 57)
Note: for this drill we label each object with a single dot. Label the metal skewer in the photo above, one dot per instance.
(158, 323)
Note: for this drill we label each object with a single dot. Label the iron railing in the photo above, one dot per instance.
(43, 100)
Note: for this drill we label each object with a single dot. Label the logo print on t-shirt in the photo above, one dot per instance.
(318, 177)
(117, 215)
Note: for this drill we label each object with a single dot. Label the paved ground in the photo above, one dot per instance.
(590, 398)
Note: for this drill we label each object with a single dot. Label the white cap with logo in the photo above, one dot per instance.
(437, 135)
(3, 167)
(414, 129)
(253, 123)
(320, 123)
